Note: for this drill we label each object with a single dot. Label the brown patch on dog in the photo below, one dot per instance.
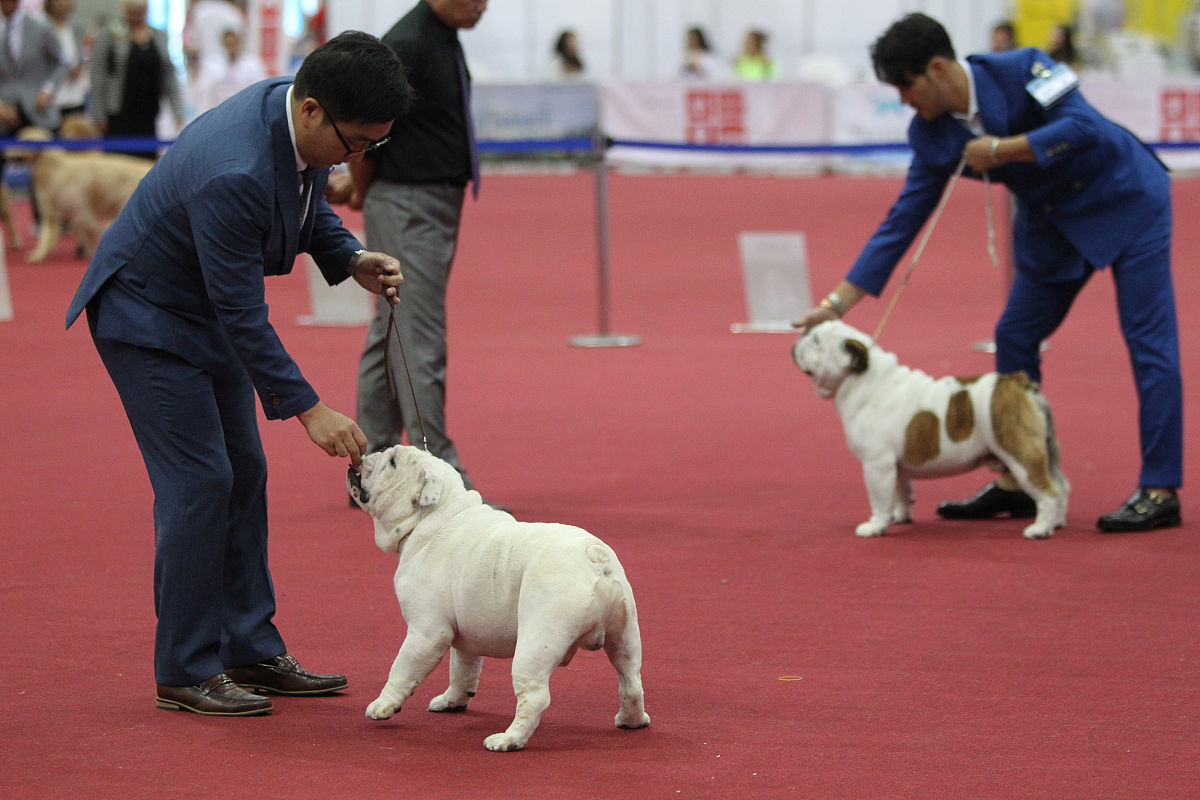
(1019, 425)
(859, 356)
(921, 438)
(967, 380)
(960, 416)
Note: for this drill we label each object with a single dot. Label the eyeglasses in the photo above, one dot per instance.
(352, 150)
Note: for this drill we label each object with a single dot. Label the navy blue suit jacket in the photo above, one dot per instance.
(182, 268)
(1093, 188)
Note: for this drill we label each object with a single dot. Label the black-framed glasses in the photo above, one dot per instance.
(351, 150)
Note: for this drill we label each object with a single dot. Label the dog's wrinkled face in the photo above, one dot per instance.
(829, 352)
(397, 487)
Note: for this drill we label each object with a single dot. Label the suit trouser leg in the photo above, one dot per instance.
(198, 436)
(419, 225)
(1033, 312)
(1146, 306)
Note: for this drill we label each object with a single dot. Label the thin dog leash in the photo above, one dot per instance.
(937, 213)
(394, 329)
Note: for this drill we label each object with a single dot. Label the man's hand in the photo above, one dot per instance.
(350, 186)
(988, 152)
(339, 189)
(379, 273)
(834, 306)
(982, 153)
(815, 316)
(335, 433)
(9, 115)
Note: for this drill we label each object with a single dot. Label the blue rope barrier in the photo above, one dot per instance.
(815, 149)
(136, 144)
(574, 144)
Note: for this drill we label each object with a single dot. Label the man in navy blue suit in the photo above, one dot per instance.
(175, 301)
(1088, 195)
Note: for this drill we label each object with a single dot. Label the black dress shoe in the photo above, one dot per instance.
(1143, 512)
(989, 502)
(284, 675)
(217, 696)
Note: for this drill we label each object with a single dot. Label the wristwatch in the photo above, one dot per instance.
(354, 261)
(834, 304)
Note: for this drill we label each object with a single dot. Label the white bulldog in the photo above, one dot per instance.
(476, 581)
(903, 424)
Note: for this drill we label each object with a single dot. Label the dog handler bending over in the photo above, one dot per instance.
(1088, 194)
(175, 303)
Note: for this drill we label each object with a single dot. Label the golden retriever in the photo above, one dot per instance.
(81, 191)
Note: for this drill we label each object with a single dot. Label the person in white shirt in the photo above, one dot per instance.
(221, 79)
(74, 44)
(207, 21)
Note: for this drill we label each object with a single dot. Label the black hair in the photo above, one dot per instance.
(570, 60)
(357, 78)
(701, 38)
(906, 48)
(1065, 51)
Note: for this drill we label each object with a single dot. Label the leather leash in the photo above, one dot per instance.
(937, 213)
(394, 329)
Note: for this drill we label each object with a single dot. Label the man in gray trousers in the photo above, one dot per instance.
(411, 192)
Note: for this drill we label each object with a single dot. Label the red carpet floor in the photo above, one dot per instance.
(783, 655)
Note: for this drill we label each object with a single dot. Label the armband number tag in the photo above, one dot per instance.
(1051, 84)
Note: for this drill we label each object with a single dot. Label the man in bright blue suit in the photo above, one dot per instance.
(175, 301)
(1088, 195)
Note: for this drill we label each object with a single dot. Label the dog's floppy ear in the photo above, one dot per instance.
(859, 357)
(431, 492)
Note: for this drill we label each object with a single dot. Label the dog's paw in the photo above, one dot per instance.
(503, 743)
(1038, 531)
(449, 702)
(382, 708)
(632, 721)
(871, 528)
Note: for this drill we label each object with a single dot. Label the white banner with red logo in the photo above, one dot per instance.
(713, 114)
(267, 36)
(781, 113)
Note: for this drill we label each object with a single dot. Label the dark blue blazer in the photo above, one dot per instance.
(182, 268)
(1093, 188)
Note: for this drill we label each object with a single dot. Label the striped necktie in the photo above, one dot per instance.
(306, 186)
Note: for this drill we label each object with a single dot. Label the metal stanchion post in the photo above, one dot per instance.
(602, 338)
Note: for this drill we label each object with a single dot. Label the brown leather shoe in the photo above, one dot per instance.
(284, 675)
(217, 696)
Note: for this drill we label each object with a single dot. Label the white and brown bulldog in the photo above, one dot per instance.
(903, 424)
(477, 582)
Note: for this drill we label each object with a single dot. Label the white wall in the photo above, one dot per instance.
(643, 39)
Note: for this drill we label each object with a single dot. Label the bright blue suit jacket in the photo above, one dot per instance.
(182, 268)
(1093, 188)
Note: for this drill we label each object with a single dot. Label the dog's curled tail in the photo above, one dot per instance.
(608, 597)
(1052, 454)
